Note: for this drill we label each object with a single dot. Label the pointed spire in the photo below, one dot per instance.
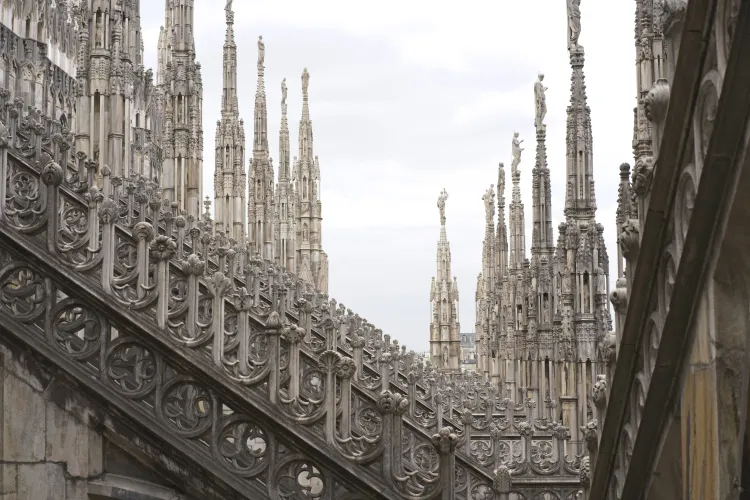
(229, 103)
(444, 260)
(516, 216)
(579, 200)
(305, 124)
(260, 138)
(502, 228)
(542, 240)
(444, 325)
(284, 148)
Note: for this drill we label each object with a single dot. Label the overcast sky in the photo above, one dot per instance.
(408, 97)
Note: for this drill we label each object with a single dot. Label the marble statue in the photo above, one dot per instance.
(305, 81)
(261, 51)
(229, 5)
(540, 101)
(283, 92)
(441, 205)
(517, 149)
(489, 204)
(99, 32)
(574, 22)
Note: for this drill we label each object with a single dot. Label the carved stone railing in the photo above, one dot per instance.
(185, 291)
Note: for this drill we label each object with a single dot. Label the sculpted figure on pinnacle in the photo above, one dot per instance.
(283, 91)
(261, 51)
(574, 23)
(305, 81)
(540, 102)
(441, 205)
(489, 204)
(517, 149)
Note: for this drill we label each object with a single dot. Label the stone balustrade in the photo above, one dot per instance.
(235, 361)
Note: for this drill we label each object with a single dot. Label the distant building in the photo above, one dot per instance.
(468, 352)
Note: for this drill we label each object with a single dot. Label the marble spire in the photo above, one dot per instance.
(181, 94)
(284, 209)
(516, 221)
(542, 237)
(260, 198)
(445, 344)
(312, 261)
(580, 202)
(230, 179)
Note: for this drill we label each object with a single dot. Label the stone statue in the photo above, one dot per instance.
(261, 51)
(445, 357)
(489, 204)
(574, 22)
(283, 92)
(540, 101)
(517, 149)
(441, 205)
(305, 81)
(99, 31)
(229, 5)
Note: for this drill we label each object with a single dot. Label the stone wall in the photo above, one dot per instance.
(50, 448)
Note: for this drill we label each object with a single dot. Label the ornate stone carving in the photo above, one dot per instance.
(501, 483)
(657, 101)
(642, 175)
(630, 239)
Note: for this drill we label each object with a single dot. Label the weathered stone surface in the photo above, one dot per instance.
(8, 473)
(24, 422)
(76, 489)
(72, 443)
(43, 481)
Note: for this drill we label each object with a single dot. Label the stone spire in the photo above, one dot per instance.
(542, 238)
(284, 221)
(312, 261)
(516, 216)
(487, 284)
(230, 179)
(118, 107)
(502, 228)
(180, 86)
(445, 344)
(580, 201)
(260, 196)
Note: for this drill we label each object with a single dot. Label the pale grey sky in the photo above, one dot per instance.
(408, 97)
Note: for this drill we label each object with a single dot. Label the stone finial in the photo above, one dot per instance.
(501, 482)
(445, 441)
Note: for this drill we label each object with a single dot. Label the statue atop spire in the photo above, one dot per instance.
(489, 205)
(305, 81)
(229, 12)
(261, 51)
(441, 205)
(574, 23)
(283, 95)
(517, 149)
(540, 101)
